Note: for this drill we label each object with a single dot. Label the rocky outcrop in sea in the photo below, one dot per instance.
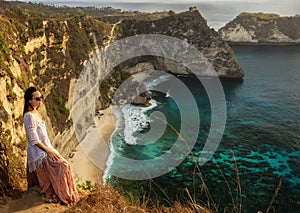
(260, 28)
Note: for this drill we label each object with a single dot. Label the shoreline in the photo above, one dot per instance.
(262, 43)
(85, 160)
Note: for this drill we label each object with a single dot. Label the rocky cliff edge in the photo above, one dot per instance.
(260, 28)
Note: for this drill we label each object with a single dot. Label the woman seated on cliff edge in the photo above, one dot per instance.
(45, 166)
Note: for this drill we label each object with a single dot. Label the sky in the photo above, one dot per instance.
(182, 1)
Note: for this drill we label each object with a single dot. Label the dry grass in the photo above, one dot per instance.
(109, 200)
(274, 196)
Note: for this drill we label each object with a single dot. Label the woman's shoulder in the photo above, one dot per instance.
(27, 114)
(32, 116)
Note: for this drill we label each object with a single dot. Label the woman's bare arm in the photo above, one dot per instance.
(47, 149)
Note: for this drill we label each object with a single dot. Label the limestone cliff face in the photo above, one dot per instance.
(259, 28)
(191, 27)
(50, 52)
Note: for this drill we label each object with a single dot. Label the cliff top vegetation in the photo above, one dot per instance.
(42, 10)
(260, 15)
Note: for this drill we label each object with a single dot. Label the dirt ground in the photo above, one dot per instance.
(30, 201)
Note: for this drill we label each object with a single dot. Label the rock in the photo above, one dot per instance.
(140, 67)
(260, 28)
(191, 27)
(71, 155)
(142, 100)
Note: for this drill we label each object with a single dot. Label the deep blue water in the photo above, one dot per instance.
(262, 130)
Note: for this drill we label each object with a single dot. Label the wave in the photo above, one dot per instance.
(110, 159)
(109, 163)
(131, 119)
(150, 85)
(135, 117)
(168, 94)
(135, 120)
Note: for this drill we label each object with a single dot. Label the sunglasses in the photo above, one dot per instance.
(39, 98)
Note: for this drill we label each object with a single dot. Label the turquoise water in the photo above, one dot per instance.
(262, 130)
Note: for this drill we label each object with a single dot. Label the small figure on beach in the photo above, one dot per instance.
(45, 166)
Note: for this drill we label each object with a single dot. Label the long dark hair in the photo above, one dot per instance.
(28, 96)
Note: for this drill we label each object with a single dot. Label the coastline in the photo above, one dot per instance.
(83, 164)
(262, 43)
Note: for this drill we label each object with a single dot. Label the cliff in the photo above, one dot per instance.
(260, 28)
(49, 50)
(48, 53)
(191, 27)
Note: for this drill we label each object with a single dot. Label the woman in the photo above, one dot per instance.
(45, 164)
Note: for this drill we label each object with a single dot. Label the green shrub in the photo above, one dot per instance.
(87, 186)
(9, 88)
(171, 12)
(3, 44)
(35, 24)
(118, 29)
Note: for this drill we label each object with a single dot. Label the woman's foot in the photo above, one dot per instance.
(51, 198)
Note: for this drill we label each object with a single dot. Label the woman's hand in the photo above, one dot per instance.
(49, 151)
(52, 152)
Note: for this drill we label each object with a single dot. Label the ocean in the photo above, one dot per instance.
(261, 138)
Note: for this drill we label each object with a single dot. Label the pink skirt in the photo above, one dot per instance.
(55, 179)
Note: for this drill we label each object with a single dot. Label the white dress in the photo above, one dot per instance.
(35, 133)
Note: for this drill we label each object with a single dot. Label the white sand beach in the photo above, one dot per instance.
(89, 159)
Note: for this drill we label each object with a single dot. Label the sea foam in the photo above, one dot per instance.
(131, 119)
